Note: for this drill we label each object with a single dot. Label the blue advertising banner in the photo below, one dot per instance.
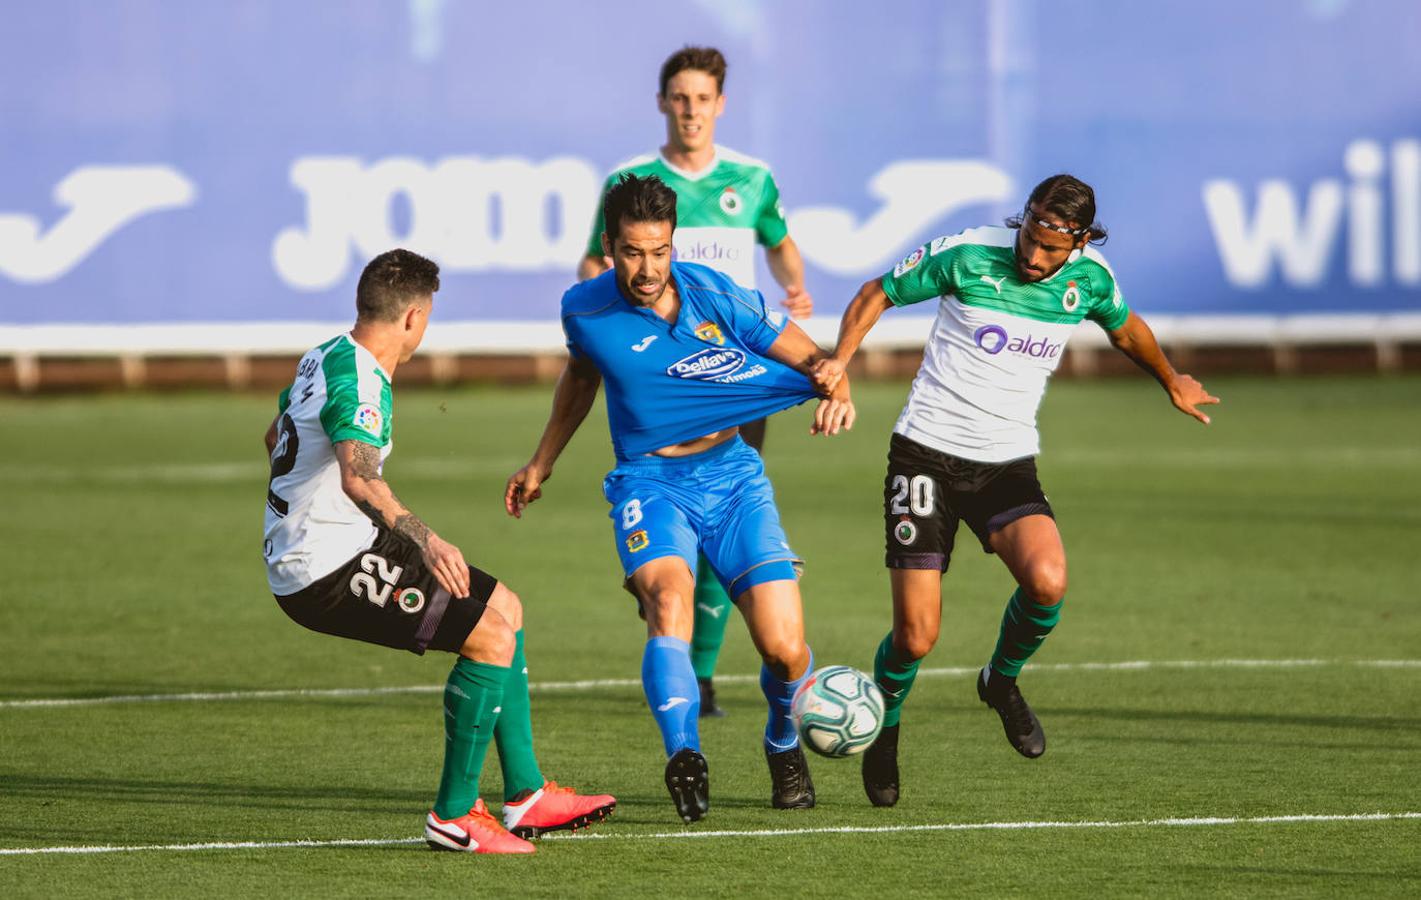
(163, 161)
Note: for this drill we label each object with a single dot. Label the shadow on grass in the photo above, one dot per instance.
(1364, 723)
(109, 791)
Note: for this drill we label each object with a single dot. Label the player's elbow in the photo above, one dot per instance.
(355, 487)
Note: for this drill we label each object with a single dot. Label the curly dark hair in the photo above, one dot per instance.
(634, 199)
(391, 282)
(1069, 199)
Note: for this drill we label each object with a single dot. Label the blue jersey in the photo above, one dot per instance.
(672, 382)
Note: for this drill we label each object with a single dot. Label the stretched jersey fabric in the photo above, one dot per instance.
(669, 382)
(312, 528)
(996, 340)
(721, 211)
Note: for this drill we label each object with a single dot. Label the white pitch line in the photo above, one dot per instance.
(1190, 822)
(1139, 665)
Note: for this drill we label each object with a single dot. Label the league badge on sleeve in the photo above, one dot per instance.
(369, 419)
(909, 263)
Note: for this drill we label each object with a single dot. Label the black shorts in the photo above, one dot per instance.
(927, 492)
(386, 595)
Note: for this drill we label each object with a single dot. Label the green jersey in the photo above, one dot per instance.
(996, 340)
(312, 528)
(722, 211)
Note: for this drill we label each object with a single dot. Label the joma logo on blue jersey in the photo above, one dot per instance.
(708, 364)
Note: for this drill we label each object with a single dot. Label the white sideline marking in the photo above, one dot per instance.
(1138, 665)
(1192, 822)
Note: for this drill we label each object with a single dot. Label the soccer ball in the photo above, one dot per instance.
(838, 711)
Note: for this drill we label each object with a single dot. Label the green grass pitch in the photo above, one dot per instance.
(1288, 530)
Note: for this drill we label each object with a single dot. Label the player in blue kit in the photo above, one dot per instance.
(687, 355)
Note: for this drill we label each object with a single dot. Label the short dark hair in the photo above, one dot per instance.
(1069, 199)
(702, 59)
(391, 282)
(634, 199)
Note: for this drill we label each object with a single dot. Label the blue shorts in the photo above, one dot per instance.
(718, 504)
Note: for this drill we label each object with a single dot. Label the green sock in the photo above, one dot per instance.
(471, 700)
(712, 613)
(513, 733)
(894, 676)
(1025, 625)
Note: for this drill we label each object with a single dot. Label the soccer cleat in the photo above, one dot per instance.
(1020, 723)
(791, 786)
(553, 808)
(474, 832)
(709, 709)
(880, 768)
(688, 780)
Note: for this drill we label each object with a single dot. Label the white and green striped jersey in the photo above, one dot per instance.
(721, 211)
(996, 340)
(312, 528)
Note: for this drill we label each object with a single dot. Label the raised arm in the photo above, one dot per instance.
(572, 400)
(788, 268)
(1135, 339)
(361, 480)
(796, 349)
(863, 311)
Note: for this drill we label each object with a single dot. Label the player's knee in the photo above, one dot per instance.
(492, 640)
(1045, 584)
(787, 656)
(508, 605)
(915, 641)
(668, 611)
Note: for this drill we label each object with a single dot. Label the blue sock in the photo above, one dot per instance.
(779, 730)
(672, 693)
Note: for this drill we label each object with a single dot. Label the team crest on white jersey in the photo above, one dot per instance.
(368, 418)
(909, 263)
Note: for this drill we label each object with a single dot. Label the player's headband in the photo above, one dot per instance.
(1074, 232)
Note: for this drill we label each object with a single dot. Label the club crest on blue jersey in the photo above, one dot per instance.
(637, 540)
(710, 333)
(708, 364)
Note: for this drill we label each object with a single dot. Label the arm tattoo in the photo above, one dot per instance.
(409, 525)
(365, 461)
(365, 465)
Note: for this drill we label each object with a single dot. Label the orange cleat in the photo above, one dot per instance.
(553, 808)
(476, 832)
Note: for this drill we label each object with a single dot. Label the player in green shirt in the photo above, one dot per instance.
(726, 203)
(964, 448)
(346, 557)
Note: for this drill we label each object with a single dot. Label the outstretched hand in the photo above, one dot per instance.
(1188, 395)
(798, 303)
(524, 486)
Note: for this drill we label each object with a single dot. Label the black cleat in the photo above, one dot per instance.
(880, 768)
(688, 780)
(1020, 723)
(791, 786)
(709, 709)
